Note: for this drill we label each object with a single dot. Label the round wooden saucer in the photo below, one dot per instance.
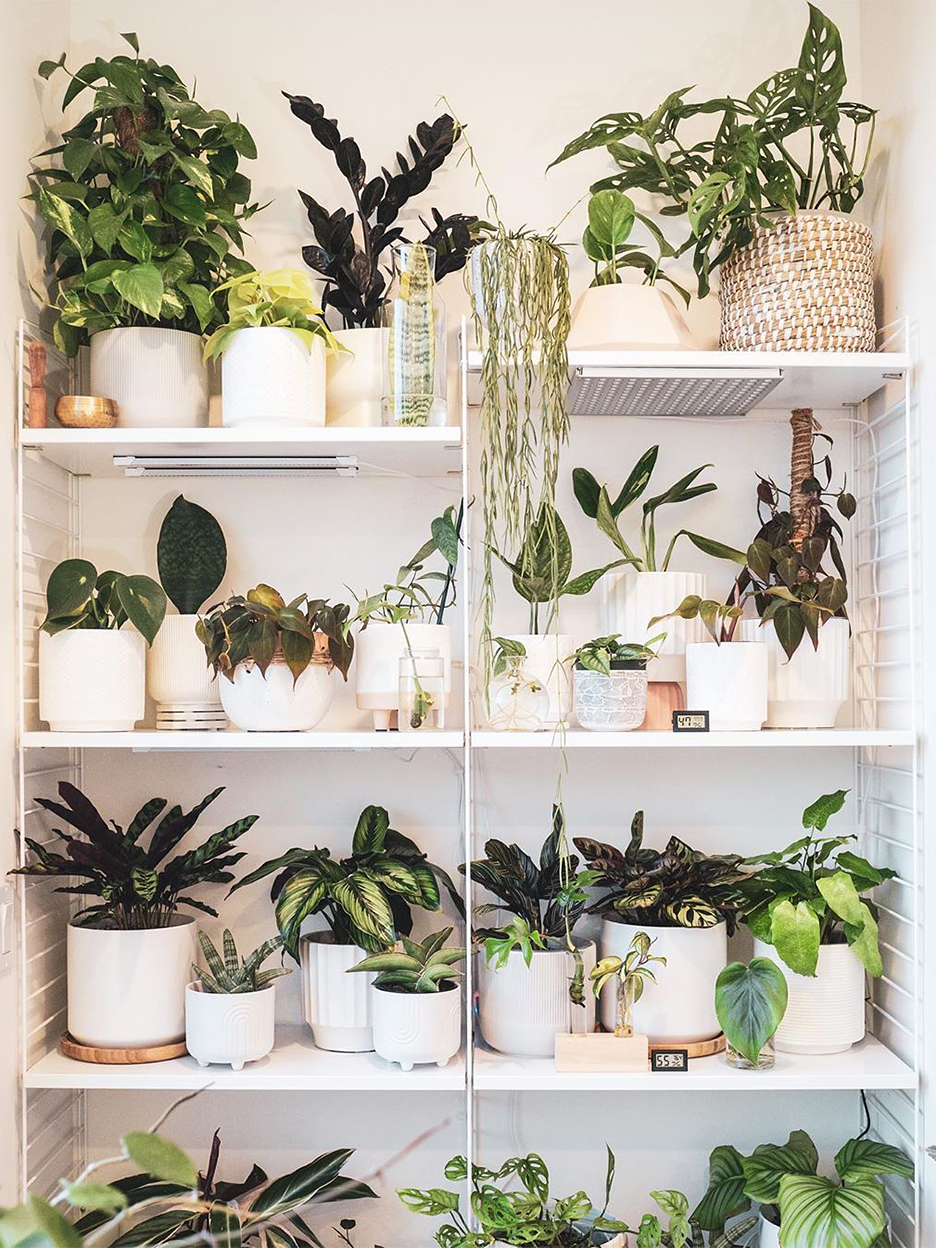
(695, 1048)
(119, 1057)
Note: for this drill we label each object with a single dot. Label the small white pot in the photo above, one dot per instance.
(628, 317)
(681, 1004)
(411, 1027)
(548, 660)
(337, 1006)
(272, 703)
(354, 378)
(126, 989)
(269, 376)
(92, 679)
(521, 1007)
(628, 600)
(730, 682)
(808, 690)
(825, 1013)
(378, 649)
(768, 1235)
(229, 1028)
(157, 377)
(613, 703)
(179, 679)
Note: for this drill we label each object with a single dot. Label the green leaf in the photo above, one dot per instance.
(820, 74)
(132, 39)
(788, 622)
(371, 831)
(144, 881)
(136, 242)
(610, 218)
(141, 286)
(861, 928)
(299, 897)
(866, 1159)
(817, 1213)
(725, 1196)
(77, 156)
(62, 216)
(750, 1002)
(100, 1197)
(191, 555)
(240, 139)
(795, 933)
(47, 68)
(70, 586)
(182, 202)
(366, 905)
(160, 1158)
(434, 1202)
(446, 539)
(717, 550)
(105, 224)
(196, 171)
(201, 302)
(144, 602)
(48, 1223)
(766, 1166)
(316, 1179)
(819, 812)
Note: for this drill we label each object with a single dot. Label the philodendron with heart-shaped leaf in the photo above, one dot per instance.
(78, 597)
(191, 555)
(750, 1001)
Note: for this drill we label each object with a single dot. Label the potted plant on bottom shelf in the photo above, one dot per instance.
(130, 953)
(610, 683)
(230, 1007)
(416, 1000)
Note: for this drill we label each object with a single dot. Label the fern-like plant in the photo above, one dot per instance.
(230, 973)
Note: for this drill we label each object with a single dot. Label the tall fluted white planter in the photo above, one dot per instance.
(183, 686)
(808, 690)
(522, 1007)
(92, 679)
(274, 702)
(354, 378)
(337, 1006)
(730, 682)
(549, 660)
(378, 649)
(157, 377)
(629, 600)
(270, 377)
(229, 1028)
(417, 1027)
(826, 1012)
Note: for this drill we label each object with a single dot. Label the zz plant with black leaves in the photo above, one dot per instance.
(134, 887)
(354, 269)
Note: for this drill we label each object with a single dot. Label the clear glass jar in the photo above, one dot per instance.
(414, 376)
(422, 691)
(765, 1060)
(518, 701)
(614, 703)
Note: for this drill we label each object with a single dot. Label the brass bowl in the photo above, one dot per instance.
(82, 411)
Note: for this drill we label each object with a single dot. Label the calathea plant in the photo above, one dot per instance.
(77, 597)
(191, 555)
(228, 973)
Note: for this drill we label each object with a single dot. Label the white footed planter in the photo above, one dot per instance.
(337, 1006)
(628, 317)
(730, 682)
(378, 649)
(126, 989)
(808, 690)
(229, 1029)
(411, 1027)
(354, 378)
(548, 660)
(180, 682)
(825, 1013)
(92, 679)
(768, 1234)
(269, 376)
(681, 1004)
(630, 599)
(522, 1007)
(272, 703)
(157, 377)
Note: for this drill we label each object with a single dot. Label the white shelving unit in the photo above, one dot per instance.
(232, 739)
(779, 739)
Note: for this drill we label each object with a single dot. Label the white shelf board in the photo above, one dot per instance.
(427, 452)
(867, 1065)
(768, 738)
(232, 739)
(295, 1065)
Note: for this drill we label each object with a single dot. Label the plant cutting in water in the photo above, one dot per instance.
(419, 966)
(750, 1002)
(191, 555)
(228, 972)
(629, 975)
(77, 597)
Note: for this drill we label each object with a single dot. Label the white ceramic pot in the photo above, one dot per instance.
(354, 378)
(229, 1028)
(179, 679)
(92, 679)
(126, 989)
(157, 377)
(521, 1007)
(808, 690)
(768, 1234)
(825, 1013)
(628, 317)
(378, 649)
(730, 682)
(411, 1027)
(269, 377)
(336, 1005)
(613, 703)
(628, 600)
(549, 660)
(273, 703)
(681, 1004)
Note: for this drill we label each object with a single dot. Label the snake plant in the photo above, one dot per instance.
(230, 973)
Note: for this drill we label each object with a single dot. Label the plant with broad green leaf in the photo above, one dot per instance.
(810, 894)
(603, 653)
(145, 204)
(750, 1002)
(611, 218)
(425, 966)
(812, 1211)
(230, 973)
(365, 898)
(78, 597)
(629, 975)
(283, 298)
(135, 887)
(191, 555)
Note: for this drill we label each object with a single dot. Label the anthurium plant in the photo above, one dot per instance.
(282, 298)
(191, 555)
(77, 597)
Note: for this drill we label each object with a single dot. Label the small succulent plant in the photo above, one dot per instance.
(231, 973)
(426, 967)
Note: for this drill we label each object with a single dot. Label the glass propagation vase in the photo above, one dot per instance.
(765, 1060)
(414, 376)
(421, 706)
(518, 701)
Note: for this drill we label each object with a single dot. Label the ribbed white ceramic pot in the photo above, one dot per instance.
(627, 316)
(681, 1004)
(808, 690)
(548, 660)
(229, 1029)
(378, 649)
(157, 377)
(269, 376)
(416, 1027)
(730, 682)
(126, 989)
(354, 378)
(520, 1007)
(273, 702)
(825, 1013)
(179, 679)
(768, 1235)
(628, 600)
(92, 679)
(337, 1006)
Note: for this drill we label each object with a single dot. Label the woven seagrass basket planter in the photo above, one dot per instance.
(806, 284)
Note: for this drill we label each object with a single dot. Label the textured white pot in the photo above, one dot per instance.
(411, 1027)
(378, 649)
(521, 1007)
(681, 1004)
(768, 1235)
(157, 377)
(548, 660)
(730, 682)
(628, 317)
(229, 1028)
(613, 703)
(354, 378)
(179, 679)
(92, 679)
(270, 377)
(272, 703)
(336, 1005)
(628, 600)
(808, 690)
(126, 989)
(825, 1013)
